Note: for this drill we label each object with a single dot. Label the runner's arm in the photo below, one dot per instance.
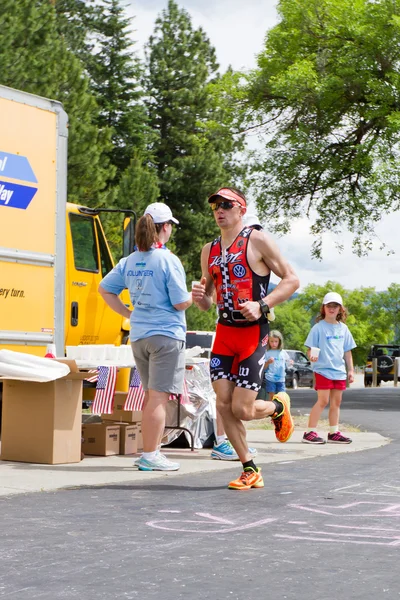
(204, 292)
(273, 258)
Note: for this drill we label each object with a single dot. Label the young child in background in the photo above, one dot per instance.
(275, 367)
(335, 343)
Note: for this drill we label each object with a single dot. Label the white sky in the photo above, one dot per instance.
(236, 28)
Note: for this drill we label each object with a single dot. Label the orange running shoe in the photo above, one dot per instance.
(283, 422)
(248, 479)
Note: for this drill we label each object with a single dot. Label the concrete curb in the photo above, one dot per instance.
(22, 478)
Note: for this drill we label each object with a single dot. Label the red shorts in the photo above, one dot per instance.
(238, 355)
(322, 383)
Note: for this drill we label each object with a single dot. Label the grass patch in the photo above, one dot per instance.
(300, 422)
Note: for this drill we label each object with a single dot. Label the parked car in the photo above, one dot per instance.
(300, 372)
(385, 355)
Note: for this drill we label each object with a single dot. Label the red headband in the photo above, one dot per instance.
(228, 195)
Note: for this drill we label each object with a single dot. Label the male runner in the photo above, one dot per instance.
(237, 266)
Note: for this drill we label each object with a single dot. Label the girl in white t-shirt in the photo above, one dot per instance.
(329, 349)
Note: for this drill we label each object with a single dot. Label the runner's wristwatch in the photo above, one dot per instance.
(264, 307)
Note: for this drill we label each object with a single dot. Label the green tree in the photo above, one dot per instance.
(198, 320)
(115, 73)
(386, 311)
(326, 93)
(194, 148)
(313, 294)
(365, 322)
(76, 21)
(293, 321)
(34, 58)
(137, 188)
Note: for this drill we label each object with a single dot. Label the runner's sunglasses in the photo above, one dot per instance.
(226, 205)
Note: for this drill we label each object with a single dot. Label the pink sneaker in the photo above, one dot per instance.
(338, 438)
(312, 437)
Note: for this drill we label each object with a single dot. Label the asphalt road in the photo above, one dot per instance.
(321, 528)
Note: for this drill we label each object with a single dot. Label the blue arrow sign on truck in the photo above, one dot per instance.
(16, 195)
(16, 167)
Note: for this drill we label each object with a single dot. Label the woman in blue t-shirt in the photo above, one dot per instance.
(156, 282)
(329, 349)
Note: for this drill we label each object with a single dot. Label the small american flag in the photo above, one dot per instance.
(93, 378)
(135, 397)
(184, 396)
(105, 388)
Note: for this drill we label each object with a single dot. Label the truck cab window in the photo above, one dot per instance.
(106, 263)
(84, 243)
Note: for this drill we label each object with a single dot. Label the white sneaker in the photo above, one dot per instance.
(158, 463)
(225, 451)
(137, 460)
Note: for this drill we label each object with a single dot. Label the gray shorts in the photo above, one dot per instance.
(160, 361)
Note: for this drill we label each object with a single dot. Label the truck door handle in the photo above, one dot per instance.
(74, 314)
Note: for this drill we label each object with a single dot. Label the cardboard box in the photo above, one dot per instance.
(41, 422)
(121, 415)
(129, 433)
(100, 439)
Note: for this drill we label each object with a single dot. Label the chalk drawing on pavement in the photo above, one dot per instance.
(206, 523)
(361, 522)
(362, 508)
(365, 489)
(346, 534)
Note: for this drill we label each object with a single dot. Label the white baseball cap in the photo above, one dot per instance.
(160, 212)
(332, 297)
(251, 220)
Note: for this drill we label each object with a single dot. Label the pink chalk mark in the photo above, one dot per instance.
(309, 509)
(387, 510)
(394, 508)
(395, 543)
(216, 519)
(333, 540)
(164, 525)
(356, 535)
(297, 522)
(362, 528)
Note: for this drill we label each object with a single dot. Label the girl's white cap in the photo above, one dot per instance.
(251, 220)
(332, 297)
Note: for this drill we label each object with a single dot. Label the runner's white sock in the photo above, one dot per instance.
(333, 428)
(220, 439)
(149, 455)
(309, 429)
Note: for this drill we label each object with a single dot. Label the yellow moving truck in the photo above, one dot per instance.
(52, 254)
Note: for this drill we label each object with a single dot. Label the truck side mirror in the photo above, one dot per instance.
(128, 243)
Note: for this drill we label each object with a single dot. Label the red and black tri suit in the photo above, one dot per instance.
(238, 350)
